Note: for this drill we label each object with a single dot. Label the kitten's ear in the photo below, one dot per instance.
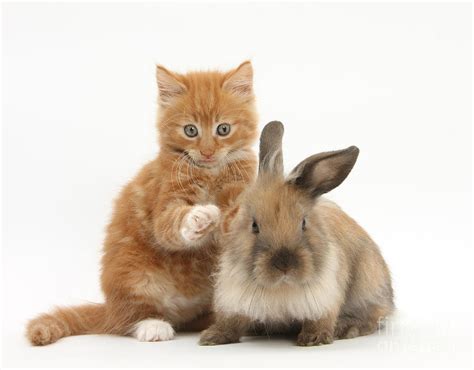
(240, 80)
(169, 85)
(323, 172)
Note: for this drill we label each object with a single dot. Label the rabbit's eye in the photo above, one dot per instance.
(303, 224)
(255, 228)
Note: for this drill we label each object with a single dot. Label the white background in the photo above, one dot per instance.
(79, 104)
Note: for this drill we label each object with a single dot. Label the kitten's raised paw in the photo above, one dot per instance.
(198, 220)
(314, 339)
(212, 337)
(153, 330)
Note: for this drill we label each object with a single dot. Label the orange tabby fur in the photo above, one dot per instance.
(148, 270)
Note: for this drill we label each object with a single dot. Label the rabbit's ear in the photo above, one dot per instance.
(271, 157)
(323, 172)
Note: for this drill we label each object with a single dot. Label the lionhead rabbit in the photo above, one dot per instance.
(293, 260)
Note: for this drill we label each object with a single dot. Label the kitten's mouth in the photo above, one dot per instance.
(203, 162)
(206, 163)
(207, 160)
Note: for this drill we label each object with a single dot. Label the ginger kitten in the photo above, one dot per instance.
(161, 244)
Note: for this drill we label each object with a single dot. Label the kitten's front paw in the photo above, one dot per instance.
(199, 221)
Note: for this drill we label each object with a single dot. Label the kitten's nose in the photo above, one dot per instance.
(284, 260)
(207, 153)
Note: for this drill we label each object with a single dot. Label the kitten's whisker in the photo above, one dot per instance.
(225, 167)
(178, 178)
(234, 174)
(191, 174)
(176, 165)
(239, 175)
(242, 169)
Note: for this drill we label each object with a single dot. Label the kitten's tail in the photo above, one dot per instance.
(65, 321)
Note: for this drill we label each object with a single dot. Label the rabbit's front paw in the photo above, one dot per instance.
(314, 339)
(212, 337)
(199, 221)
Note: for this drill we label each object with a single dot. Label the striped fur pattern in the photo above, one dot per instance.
(161, 247)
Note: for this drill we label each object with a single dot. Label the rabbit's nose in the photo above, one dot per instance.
(284, 260)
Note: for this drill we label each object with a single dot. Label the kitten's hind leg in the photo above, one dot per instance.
(152, 330)
(139, 320)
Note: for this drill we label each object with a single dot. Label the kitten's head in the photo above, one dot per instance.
(209, 117)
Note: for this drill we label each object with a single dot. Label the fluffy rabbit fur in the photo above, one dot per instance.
(294, 260)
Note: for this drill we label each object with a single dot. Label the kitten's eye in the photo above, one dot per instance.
(303, 224)
(255, 228)
(223, 129)
(191, 130)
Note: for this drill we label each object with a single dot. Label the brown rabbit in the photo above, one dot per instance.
(294, 260)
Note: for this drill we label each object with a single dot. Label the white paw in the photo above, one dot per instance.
(197, 220)
(153, 330)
